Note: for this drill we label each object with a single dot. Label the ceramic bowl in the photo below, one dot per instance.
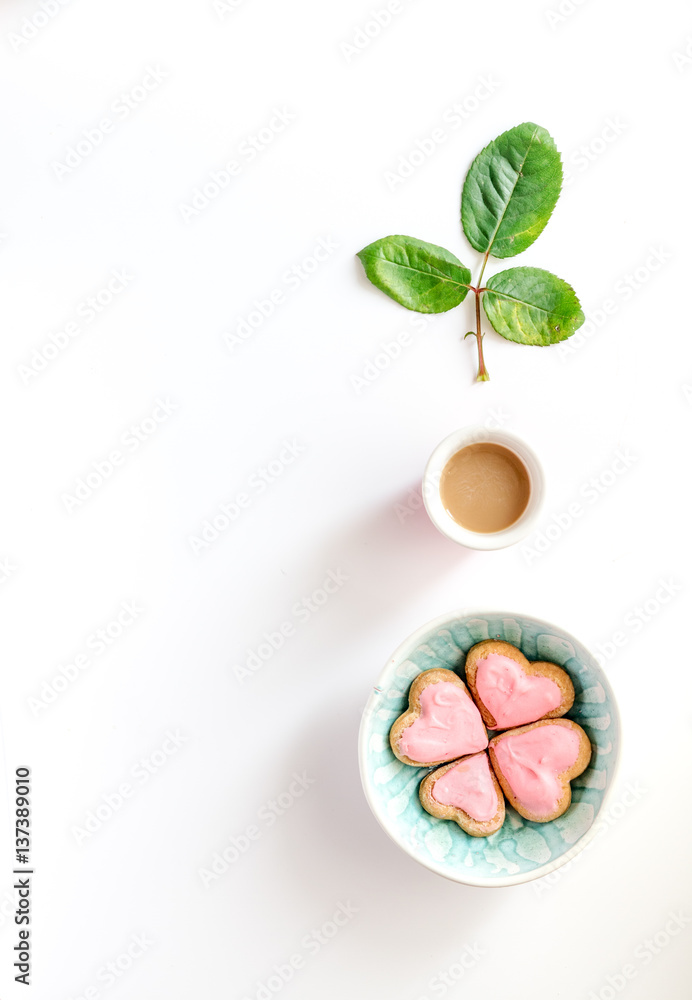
(444, 521)
(520, 850)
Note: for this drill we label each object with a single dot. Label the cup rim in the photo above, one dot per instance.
(399, 655)
(445, 523)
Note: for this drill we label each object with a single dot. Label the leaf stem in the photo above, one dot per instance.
(485, 261)
(482, 375)
(482, 370)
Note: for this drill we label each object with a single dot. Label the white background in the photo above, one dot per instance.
(361, 449)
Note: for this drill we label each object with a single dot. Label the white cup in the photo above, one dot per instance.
(444, 521)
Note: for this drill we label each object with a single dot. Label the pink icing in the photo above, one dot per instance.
(468, 786)
(512, 697)
(449, 725)
(531, 762)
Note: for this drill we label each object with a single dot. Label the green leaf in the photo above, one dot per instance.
(417, 275)
(510, 191)
(531, 306)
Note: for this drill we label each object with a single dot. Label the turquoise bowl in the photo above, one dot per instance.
(520, 850)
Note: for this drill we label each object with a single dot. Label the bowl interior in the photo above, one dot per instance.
(520, 850)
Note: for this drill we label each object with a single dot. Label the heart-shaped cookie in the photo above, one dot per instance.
(441, 723)
(467, 792)
(535, 764)
(511, 690)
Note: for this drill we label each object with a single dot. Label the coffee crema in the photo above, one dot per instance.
(485, 487)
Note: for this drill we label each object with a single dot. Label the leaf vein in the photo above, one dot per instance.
(516, 181)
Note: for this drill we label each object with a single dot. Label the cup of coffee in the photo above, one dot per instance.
(483, 488)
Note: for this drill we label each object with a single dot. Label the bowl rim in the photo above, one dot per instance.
(401, 653)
